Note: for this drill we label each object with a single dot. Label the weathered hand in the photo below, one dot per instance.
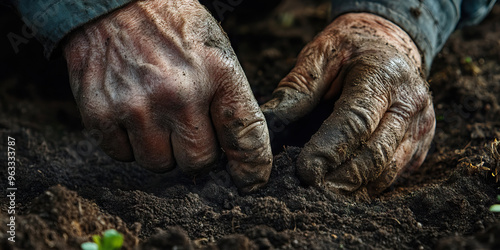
(382, 123)
(162, 84)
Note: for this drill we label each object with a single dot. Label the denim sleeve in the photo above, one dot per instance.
(428, 22)
(52, 20)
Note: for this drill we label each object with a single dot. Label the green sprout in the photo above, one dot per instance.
(287, 19)
(110, 240)
(467, 59)
(496, 207)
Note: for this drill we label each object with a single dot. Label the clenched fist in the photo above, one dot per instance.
(162, 82)
(383, 120)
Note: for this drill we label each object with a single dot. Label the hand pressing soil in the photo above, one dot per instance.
(159, 83)
(383, 120)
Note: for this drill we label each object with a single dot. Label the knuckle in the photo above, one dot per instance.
(302, 78)
(133, 110)
(96, 118)
(362, 120)
(412, 99)
(424, 124)
(250, 135)
(381, 152)
(179, 95)
(404, 111)
(386, 69)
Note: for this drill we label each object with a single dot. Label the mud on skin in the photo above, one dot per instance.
(383, 120)
(161, 83)
(444, 203)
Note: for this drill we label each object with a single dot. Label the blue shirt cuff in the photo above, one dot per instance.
(52, 20)
(428, 22)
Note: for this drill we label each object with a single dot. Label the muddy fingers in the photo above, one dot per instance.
(165, 75)
(370, 136)
(242, 133)
(317, 68)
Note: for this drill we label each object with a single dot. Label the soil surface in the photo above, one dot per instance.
(68, 190)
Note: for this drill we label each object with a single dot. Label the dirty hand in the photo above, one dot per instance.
(383, 119)
(159, 81)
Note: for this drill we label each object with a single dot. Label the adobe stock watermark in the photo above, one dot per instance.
(222, 7)
(94, 138)
(31, 28)
(276, 124)
(11, 188)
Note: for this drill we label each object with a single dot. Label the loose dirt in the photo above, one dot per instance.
(69, 190)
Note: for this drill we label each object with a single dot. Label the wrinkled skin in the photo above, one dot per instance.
(160, 83)
(383, 119)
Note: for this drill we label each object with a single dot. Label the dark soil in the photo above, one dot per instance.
(69, 190)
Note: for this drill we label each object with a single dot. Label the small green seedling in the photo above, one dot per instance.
(110, 240)
(496, 207)
(467, 60)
